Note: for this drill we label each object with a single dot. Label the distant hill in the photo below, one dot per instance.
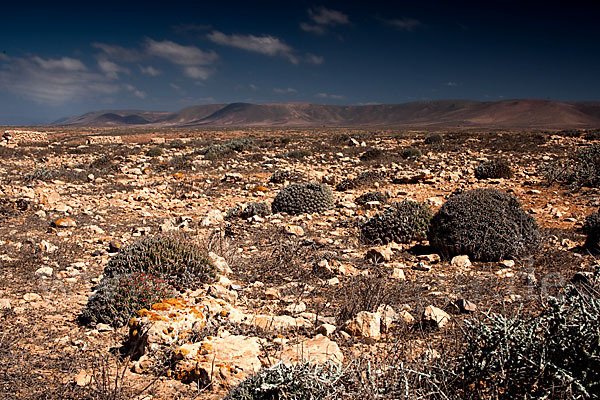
(441, 113)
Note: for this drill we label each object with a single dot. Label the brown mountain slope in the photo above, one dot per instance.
(441, 113)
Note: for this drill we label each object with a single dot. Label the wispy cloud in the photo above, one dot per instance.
(285, 91)
(451, 84)
(330, 96)
(321, 18)
(110, 69)
(137, 93)
(266, 44)
(194, 61)
(314, 59)
(118, 53)
(404, 24)
(149, 70)
(180, 54)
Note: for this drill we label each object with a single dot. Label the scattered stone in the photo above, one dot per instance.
(82, 378)
(114, 246)
(461, 261)
(296, 308)
(325, 329)
(508, 263)
(465, 306)
(295, 230)
(213, 217)
(379, 254)
(272, 294)
(421, 266)
(365, 324)
(433, 316)
(430, 258)
(398, 273)
(319, 350)
(104, 327)
(44, 272)
(220, 264)
(47, 247)
(64, 223)
(5, 304)
(32, 297)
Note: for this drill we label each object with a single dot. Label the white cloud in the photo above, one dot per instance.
(137, 93)
(118, 53)
(314, 59)
(65, 64)
(253, 86)
(451, 84)
(179, 54)
(285, 91)
(405, 24)
(321, 18)
(110, 69)
(316, 29)
(330, 96)
(53, 81)
(149, 70)
(196, 72)
(268, 45)
(325, 16)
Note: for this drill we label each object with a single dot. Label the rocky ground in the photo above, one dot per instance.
(290, 287)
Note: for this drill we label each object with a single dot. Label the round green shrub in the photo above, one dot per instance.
(591, 228)
(299, 198)
(183, 265)
(117, 299)
(371, 154)
(364, 179)
(401, 223)
(154, 151)
(494, 169)
(303, 381)
(486, 224)
(372, 196)
(410, 152)
(434, 138)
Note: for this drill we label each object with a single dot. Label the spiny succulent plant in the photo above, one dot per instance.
(591, 228)
(493, 170)
(364, 179)
(434, 138)
(117, 299)
(299, 198)
(371, 154)
(372, 196)
(485, 224)
(410, 152)
(183, 265)
(402, 222)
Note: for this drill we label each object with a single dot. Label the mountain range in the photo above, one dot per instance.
(519, 113)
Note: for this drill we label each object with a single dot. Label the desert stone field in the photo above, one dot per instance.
(312, 263)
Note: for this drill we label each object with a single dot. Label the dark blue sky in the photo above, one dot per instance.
(59, 60)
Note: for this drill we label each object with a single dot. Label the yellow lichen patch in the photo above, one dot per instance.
(207, 346)
(144, 312)
(178, 175)
(161, 307)
(154, 317)
(260, 189)
(182, 351)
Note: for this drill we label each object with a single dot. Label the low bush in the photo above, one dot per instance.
(299, 198)
(410, 152)
(302, 381)
(591, 228)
